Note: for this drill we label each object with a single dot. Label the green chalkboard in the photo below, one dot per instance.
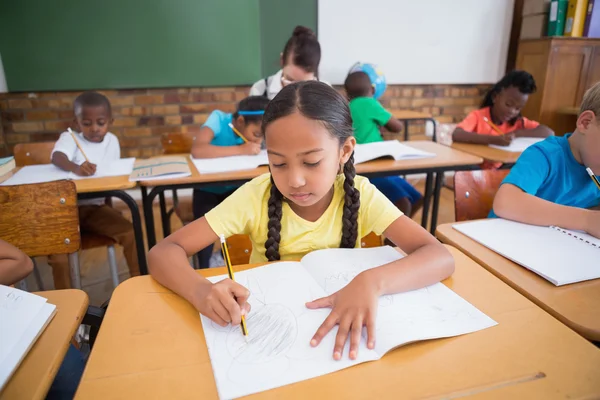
(104, 44)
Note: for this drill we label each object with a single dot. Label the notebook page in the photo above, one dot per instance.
(280, 328)
(122, 166)
(229, 164)
(17, 310)
(518, 145)
(389, 148)
(549, 253)
(39, 322)
(580, 235)
(428, 313)
(36, 174)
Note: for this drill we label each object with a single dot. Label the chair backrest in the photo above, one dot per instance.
(177, 143)
(240, 247)
(40, 219)
(474, 192)
(33, 153)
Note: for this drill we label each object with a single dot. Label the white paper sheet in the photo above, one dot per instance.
(280, 327)
(120, 167)
(549, 252)
(229, 164)
(23, 316)
(518, 145)
(389, 148)
(36, 174)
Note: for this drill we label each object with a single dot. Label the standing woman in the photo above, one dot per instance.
(299, 62)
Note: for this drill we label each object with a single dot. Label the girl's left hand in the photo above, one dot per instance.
(353, 307)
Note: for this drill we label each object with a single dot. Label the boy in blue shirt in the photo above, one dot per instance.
(549, 184)
(220, 136)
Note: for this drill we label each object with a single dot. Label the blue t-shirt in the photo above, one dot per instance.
(219, 122)
(548, 170)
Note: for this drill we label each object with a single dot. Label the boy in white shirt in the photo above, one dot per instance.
(93, 117)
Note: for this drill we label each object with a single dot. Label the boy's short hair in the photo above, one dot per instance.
(90, 99)
(358, 84)
(591, 100)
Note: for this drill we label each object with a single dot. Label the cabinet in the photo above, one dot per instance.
(563, 68)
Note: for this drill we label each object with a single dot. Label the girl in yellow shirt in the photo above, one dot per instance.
(311, 200)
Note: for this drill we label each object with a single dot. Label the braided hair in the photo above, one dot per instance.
(522, 80)
(317, 101)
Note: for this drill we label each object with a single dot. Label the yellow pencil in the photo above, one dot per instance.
(493, 125)
(230, 272)
(591, 173)
(238, 133)
(78, 145)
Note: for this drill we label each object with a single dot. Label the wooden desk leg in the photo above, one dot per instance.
(439, 179)
(427, 199)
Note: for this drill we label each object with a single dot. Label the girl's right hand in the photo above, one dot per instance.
(224, 302)
(502, 140)
(250, 148)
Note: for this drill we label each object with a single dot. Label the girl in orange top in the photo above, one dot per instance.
(502, 107)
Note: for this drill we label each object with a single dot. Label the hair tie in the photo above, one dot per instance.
(258, 112)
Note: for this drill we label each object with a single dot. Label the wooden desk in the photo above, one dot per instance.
(34, 376)
(488, 153)
(151, 345)
(569, 110)
(447, 159)
(576, 305)
(112, 186)
(409, 115)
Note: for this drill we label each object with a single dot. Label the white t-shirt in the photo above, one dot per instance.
(273, 86)
(97, 153)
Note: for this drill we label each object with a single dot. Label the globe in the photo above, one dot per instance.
(375, 74)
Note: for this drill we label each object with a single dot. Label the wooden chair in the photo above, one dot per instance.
(42, 219)
(240, 247)
(474, 193)
(178, 143)
(40, 153)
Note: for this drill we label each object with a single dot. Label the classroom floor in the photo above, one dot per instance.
(94, 265)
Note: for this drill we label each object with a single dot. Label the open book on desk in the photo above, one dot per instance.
(23, 318)
(165, 167)
(559, 255)
(230, 164)
(388, 149)
(280, 326)
(49, 172)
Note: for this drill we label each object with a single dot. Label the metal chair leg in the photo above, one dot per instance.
(112, 264)
(74, 270)
(37, 276)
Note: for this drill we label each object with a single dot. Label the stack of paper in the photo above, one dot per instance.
(6, 165)
(23, 317)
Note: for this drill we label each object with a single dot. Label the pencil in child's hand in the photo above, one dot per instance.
(238, 133)
(230, 273)
(493, 126)
(78, 145)
(591, 173)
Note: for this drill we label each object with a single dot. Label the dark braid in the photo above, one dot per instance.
(274, 225)
(351, 207)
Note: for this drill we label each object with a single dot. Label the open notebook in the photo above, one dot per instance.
(23, 318)
(388, 149)
(166, 167)
(278, 352)
(49, 172)
(229, 164)
(558, 255)
(518, 145)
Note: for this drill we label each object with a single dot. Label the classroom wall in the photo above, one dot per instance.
(142, 116)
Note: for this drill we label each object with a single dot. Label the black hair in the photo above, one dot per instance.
(304, 48)
(317, 101)
(358, 84)
(522, 80)
(91, 99)
(251, 103)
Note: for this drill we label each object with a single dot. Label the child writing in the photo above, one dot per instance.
(224, 135)
(311, 200)
(93, 117)
(502, 107)
(368, 116)
(549, 184)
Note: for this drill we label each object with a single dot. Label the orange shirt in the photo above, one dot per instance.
(474, 123)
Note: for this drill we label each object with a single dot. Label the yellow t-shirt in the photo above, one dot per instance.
(246, 212)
